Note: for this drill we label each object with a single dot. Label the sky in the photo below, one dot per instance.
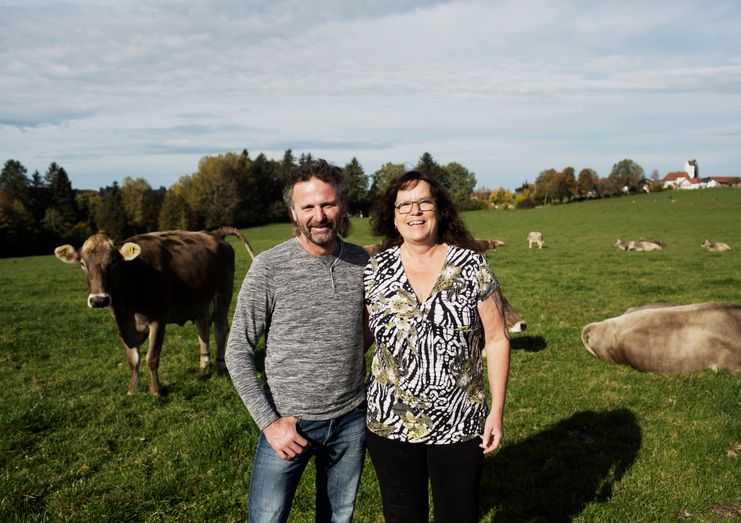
(117, 88)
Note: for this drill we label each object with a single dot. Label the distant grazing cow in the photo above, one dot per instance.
(670, 338)
(536, 238)
(716, 246)
(154, 279)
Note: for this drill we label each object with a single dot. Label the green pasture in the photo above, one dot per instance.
(584, 440)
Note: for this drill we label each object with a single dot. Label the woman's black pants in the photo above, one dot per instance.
(403, 470)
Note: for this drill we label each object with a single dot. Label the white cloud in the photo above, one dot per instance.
(111, 86)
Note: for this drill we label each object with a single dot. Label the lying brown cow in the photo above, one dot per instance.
(487, 245)
(640, 245)
(670, 338)
(715, 246)
(649, 245)
(621, 245)
(159, 278)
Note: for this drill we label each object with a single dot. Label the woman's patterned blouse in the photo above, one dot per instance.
(426, 383)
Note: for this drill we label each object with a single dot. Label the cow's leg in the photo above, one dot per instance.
(156, 337)
(221, 328)
(204, 331)
(132, 356)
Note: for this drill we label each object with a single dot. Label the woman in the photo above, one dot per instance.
(430, 298)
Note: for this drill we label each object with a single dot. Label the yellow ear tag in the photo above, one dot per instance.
(130, 250)
(66, 253)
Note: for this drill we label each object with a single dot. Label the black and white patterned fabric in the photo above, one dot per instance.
(426, 383)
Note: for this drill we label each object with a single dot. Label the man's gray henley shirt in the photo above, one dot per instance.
(310, 309)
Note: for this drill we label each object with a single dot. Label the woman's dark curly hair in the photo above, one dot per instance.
(450, 229)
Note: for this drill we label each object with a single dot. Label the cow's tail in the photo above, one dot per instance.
(225, 230)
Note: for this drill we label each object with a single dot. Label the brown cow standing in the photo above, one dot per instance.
(159, 278)
(670, 338)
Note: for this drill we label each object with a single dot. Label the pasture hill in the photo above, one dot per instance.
(584, 440)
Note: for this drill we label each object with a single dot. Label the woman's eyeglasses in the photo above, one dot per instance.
(406, 207)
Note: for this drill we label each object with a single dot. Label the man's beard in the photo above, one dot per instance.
(321, 239)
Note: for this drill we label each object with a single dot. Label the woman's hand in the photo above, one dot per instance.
(493, 433)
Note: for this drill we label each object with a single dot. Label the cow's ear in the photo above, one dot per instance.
(66, 253)
(130, 250)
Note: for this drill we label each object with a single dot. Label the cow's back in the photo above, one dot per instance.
(672, 339)
(178, 273)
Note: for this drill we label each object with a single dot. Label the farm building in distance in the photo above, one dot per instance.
(690, 179)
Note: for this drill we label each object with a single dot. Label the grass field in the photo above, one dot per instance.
(585, 440)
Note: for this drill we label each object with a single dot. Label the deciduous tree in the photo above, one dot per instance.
(16, 226)
(554, 186)
(382, 179)
(586, 184)
(501, 196)
(462, 183)
(627, 173)
(175, 212)
(141, 204)
(216, 189)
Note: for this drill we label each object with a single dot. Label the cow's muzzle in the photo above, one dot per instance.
(520, 326)
(97, 301)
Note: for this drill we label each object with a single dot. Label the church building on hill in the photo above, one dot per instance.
(690, 179)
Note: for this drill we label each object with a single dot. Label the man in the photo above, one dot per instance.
(306, 296)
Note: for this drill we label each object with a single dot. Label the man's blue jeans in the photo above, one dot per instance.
(339, 448)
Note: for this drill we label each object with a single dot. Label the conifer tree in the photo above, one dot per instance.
(111, 214)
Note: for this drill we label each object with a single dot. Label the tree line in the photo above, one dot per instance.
(39, 212)
(556, 187)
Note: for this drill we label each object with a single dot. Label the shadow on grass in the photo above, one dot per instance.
(554, 474)
(528, 343)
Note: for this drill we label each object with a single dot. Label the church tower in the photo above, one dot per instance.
(691, 168)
